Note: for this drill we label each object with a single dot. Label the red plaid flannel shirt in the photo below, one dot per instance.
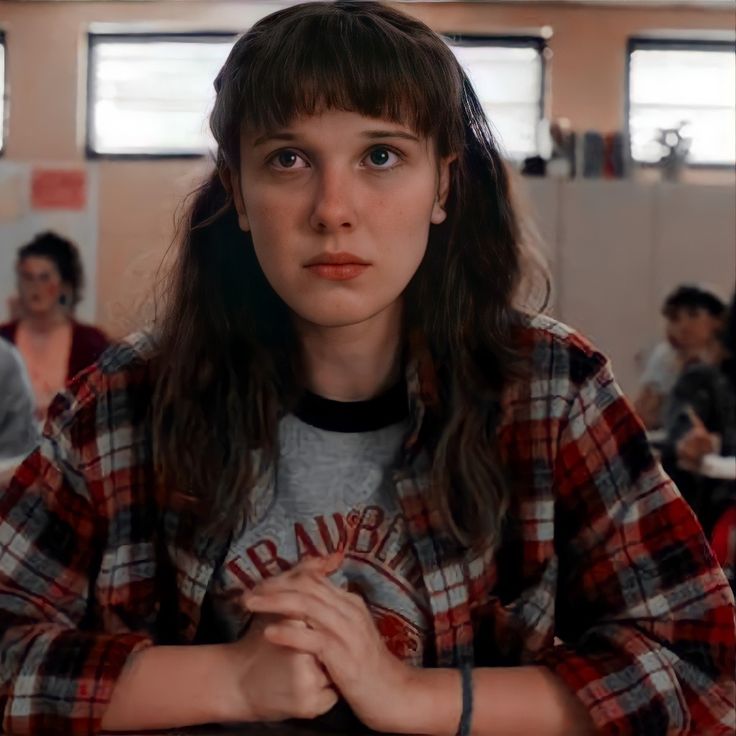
(603, 575)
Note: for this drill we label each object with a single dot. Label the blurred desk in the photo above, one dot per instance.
(719, 467)
(656, 436)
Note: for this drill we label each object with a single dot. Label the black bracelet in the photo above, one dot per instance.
(466, 719)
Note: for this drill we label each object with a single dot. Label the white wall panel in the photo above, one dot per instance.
(618, 247)
(695, 237)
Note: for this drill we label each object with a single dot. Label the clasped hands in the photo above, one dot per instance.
(311, 642)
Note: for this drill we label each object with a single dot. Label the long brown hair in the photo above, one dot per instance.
(224, 367)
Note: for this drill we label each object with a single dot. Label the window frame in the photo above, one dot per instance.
(4, 104)
(536, 42)
(668, 43)
(93, 39)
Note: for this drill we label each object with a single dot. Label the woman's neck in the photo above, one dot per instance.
(354, 362)
(44, 321)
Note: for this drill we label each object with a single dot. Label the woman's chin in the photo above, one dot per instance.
(338, 317)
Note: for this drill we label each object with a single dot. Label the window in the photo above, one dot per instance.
(674, 81)
(150, 94)
(508, 76)
(3, 106)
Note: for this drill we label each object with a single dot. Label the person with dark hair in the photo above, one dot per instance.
(701, 421)
(347, 475)
(54, 345)
(693, 317)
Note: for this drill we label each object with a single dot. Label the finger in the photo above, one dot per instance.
(310, 672)
(343, 603)
(695, 420)
(324, 701)
(351, 600)
(322, 564)
(319, 585)
(343, 600)
(309, 566)
(334, 561)
(692, 458)
(306, 641)
(325, 564)
(687, 446)
(343, 592)
(332, 618)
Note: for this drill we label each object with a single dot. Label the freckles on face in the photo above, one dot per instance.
(339, 207)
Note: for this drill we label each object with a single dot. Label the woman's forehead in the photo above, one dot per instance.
(37, 264)
(354, 117)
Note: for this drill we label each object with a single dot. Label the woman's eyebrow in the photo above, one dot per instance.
(373, 134)
(266, 137)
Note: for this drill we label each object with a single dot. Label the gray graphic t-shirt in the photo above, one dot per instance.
(334, 490)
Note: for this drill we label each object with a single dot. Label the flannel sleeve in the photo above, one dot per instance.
(18, 435)
(56, 673)
(644, 613)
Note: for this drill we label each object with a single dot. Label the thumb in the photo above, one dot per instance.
(695, 420)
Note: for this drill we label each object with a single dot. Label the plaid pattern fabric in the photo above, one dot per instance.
(603, 575)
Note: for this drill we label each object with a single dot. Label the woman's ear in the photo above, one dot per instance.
(65, 297)
(439, 213)
(238, 201)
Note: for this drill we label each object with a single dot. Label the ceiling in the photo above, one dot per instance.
(695, 3)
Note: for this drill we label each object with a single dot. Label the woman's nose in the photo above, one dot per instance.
(332, 210)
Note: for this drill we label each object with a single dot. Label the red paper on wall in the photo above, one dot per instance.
(58, 189)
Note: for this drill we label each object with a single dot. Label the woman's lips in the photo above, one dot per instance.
(341, 266)
(337, 271)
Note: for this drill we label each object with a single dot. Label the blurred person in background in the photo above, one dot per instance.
(54, 345)
(701, 421)
(18, 430)
(693, 316)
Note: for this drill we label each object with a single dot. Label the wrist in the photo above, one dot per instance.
(196, 689)
(227, 689)
(433, 702)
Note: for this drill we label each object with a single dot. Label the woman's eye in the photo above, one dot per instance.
(383, 158)
(288, 160)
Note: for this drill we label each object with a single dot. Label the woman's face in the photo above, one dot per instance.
(691, 329)
(39, 285)
(339, 206)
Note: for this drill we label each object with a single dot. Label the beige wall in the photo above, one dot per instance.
(588, 46)
(46, 64)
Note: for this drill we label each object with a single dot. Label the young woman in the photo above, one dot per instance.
(55, 347)
(701, 422)
(694, 316)
(346, 474)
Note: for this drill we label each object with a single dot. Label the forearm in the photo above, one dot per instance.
(648, 405)
(518, 700)
(169, 687)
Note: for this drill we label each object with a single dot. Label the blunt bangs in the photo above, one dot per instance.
(322, 56)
